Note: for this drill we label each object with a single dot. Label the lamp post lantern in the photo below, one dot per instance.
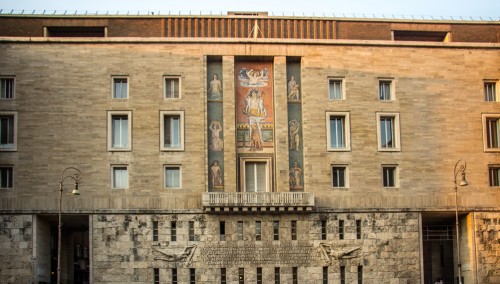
(460, 167)
(75, 176)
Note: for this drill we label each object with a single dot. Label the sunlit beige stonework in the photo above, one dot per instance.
(343, 173)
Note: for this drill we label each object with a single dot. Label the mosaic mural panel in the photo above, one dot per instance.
(254, 107)
(215, 127)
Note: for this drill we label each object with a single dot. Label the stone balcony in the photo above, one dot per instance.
(219, 202)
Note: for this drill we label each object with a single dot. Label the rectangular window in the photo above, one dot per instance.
(342, 274)
(358, 229)
(156, 272)
(294, 230)
(338, 131)
(120, 134)
(241, 275)
(339, 176)
(174, 275)
(155, 231)
(119, 177)
(255, 174)
(222, 230)
(223, 277)
(8, 131)
(385, 90)
(360, 274)
(6, 88)
(240, 230)
(389, 176)
(172, 130)
(6, 176)
(258, 235)
(295, 275)
(277, 275)
(172, 87)
(173, 231)
(491, 132)
(336, 89)
(192, 276)
(191, 231)
(120, 87)
(494, 176)
(490, 91)
(325, 274)
(323, 229)
(276, 230)
(172, 176)
(341, 229)
(388, 131)
(259, 275)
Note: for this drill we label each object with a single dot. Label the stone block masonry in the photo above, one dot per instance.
(386, 245)
(16, 249)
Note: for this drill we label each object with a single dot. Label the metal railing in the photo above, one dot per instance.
(245, 199)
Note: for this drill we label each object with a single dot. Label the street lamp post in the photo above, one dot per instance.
(76, 176)
(460, 167)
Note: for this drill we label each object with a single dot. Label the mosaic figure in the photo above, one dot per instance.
(296, 176)
(293, 90)
(215, 89)
(294, 134)
(216, 174)
(217, 142)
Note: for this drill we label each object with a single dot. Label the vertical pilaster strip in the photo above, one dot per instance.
(229, 122)
(281, 135)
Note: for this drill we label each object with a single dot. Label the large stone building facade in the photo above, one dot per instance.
(249, 149)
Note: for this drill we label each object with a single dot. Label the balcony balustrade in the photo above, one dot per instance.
(258, 201)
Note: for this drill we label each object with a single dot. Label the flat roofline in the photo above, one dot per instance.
(261, 15)
(207, 40)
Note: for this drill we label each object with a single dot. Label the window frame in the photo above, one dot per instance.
(258, 230)
(495, 90)
(346, 128)
(396, 130)
(268, 170)
(485, 118)
(156, 275)
(172, 77)
(173, 231)
(191, 232)
(10, 177)
(276, 230)
(171, 113)
(492, 180)
(113, 89)
(155, 231)
(342, 88)
(293, 230)
(113, 182)
(240, 230)
(11, 147)
(3, 78)
(222, 230)
(111, 115)
(392, 86)
(346, 175)
(174, 276)
(172, 166)
(396, 175)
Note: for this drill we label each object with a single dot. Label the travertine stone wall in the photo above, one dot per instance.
(488, 247)
(388, 250)
(62, 116)
(16, 248)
